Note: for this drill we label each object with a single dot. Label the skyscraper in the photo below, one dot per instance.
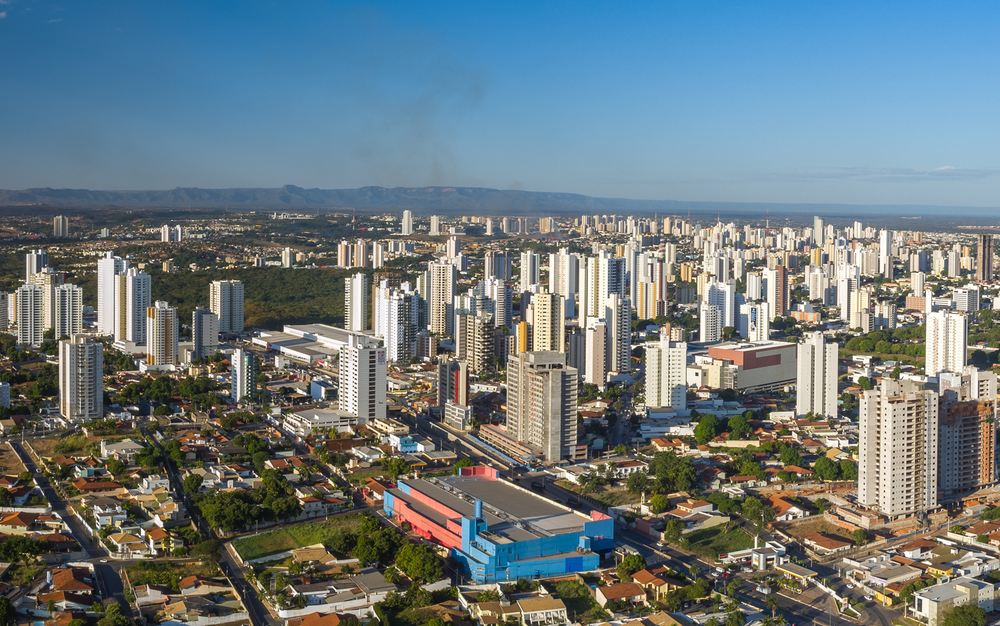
(564, 270)
(945, 342)
(204, 332)
(81, 379)
(898, 448)
(29, 315)
(60, 226)
(529, 270)
(818, 230)
(161, 330)
(666, 374)
(776, 290)
(407, 225)
(754, 321)
(246, 369)
(34, 261)
(362, 378)
(399, 322)
(108, 270)
(444, 276)
(133, 294)
(596, 351)
(225, 299)
(618, 316)
(356, 303)
(496, 265)
(541, 403)
(984, 258)
(966, 431)
(453, 382)
(48, 280)
(548, 322)
(435, 228)
(67, 311)
(816, 378)
(502, 297)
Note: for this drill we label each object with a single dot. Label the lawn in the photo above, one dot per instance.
(293, 537)
(21, 574)
(167, 574)
(712, 542)
(581, 606)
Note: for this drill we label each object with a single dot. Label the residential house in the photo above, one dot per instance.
(656, 583)
(630, 593)
(124, 450)
(89, 485)
(932, 603)
(66, 601)
(75, 580)
(108, 512)
(785, 510)
(825, 544)
(198, 585)
(543, 610)
(127, 544)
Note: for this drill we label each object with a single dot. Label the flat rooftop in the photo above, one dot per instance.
(504, 507)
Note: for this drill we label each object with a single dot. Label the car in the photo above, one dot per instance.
(849, 586)
(104, 560)
(869, 598)
(719, 569)
(660, 544)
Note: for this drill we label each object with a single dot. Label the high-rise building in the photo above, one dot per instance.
(287, 257)
(502, 296)
(5, 304)
(444, 277)
(496, 265)
(564, 270)
(407, 225)
(161, 333)
(967, 433)
(754, 321)
(945, 342)
(604, 275)
(967, 299)
(60, 226)
(29, 315)
(108, 270)
(362, 378)
(453, 382)
(204, 332)
(435, 228)
(225, 299)
(666, 374)
(67, 311)
(48, 280)
(984, 258)
(361, 253)
(818, 230)
(618, 316)
(898, 448)
(246, 369)
(816, 378)
(399, 321)
(541, 403)
(133, 294)
(776, 290)
(596, 351)
(356, 303)
(35, 261)
(81, 379)
(5, 395)
(529, 270)
(548, 322)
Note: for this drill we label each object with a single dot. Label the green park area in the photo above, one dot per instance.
(329, 533)
(712, 542)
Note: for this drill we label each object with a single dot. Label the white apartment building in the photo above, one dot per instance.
(67, 308)
(898, 448)
(407, 225)
(618, 317)
(816, 377)
(596, 365)
(666, 374)
(548, 322)
(443, 277)
(564, 270)
(225, 299)
(530, 270)
(81, 379)
(947, 337)
(362, 378)
(35, 261)
(162, 328)
(133, 294)
(356, 303)
(754, 321)
(108, 270)
(29, 315)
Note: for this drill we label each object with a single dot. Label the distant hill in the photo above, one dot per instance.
(444, 200)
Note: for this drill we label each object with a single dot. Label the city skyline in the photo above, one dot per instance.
(781, 104)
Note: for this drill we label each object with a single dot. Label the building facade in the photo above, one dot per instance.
(81, 379)
(226, 301)
(816, 379)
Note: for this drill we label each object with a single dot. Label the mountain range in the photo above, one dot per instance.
(444, 200)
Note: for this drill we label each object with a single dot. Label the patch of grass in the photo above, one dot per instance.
(21, 575)
(359, 476)
(293, 537)
(579, 602)
(712, 542)
(167, 574)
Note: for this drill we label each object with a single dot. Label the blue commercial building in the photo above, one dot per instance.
(498, 531)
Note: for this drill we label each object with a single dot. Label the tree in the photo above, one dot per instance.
(705, 431)
(848, 470)
(826, 469)
(965, 615)
(463, 463)
(772, 603)
(739, 426)
(791, 456)
(192, 483)
(896, 373)
(6, 611)
(637, 483)
(395, 466)
(659, 504)
(631, 564)
(6, 498)
(752, 508)
(860, 536)
(864, 383)
(621, 449)
(50, 607)
(420, 562)
(114, 616)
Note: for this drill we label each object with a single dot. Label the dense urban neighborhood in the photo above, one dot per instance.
(280, 419)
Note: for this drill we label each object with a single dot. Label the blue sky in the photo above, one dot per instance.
(862, 102)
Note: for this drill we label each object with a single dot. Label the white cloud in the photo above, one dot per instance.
(55, 20)
(3, 14)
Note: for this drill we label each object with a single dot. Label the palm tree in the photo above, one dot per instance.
(772, 603)
(50, 606)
